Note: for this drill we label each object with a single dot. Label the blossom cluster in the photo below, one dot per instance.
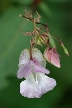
(32, 63)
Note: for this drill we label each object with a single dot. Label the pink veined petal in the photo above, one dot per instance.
(24, 70)
(39, 68)
(55, 60)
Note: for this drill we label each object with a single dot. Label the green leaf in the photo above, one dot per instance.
(59, 1)
(12, 42)
(52, 42)
(26, 2)
(45, 9)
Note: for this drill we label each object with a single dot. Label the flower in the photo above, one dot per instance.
(52, 56)
(33, 70)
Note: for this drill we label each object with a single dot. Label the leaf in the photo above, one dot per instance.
(52, 42)
(26, 2)
(11, 42)
(59, 1)
(45, 9)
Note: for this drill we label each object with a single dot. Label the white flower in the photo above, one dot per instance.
(36, 83)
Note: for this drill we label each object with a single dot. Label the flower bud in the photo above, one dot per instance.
(52, 56)
(65, 49)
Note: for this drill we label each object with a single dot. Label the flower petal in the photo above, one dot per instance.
(24, 57)
(55, 60)
(36, 53)
(45, 83)
(52, 56)
(39, 68)
(28, 88)
(24, 70)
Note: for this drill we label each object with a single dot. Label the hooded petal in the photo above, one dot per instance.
(45, 83)
(36, 53)
(24, 70)
(28, 88)
(24, 57)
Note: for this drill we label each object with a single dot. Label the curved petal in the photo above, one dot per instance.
(45, 83)
(40, 69)
(55, 60)
(24, 70)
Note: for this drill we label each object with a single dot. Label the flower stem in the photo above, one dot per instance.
(31, 49)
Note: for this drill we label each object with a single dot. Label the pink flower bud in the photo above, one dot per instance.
(52, 56)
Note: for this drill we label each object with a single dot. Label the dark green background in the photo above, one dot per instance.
(58, 15)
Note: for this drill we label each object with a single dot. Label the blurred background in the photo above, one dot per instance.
(58, 15)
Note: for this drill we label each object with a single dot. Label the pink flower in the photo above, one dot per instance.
(36, 82)
(52, 56)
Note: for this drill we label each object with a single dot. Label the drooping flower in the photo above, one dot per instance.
(33, 70)
(52, 56)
